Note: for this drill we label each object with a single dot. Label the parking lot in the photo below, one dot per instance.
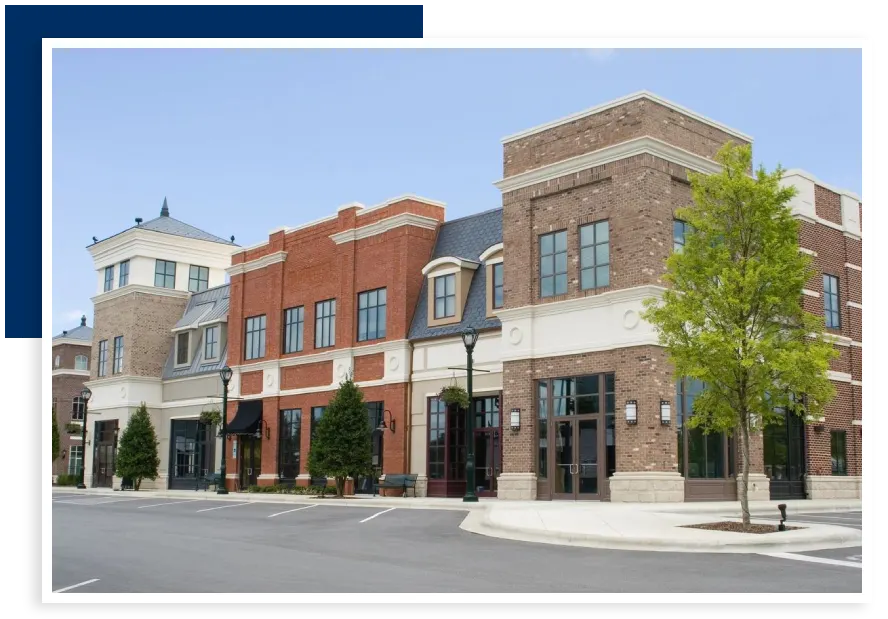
(127, 543)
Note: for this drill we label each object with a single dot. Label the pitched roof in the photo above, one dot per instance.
(464, 238)
(169, 225)
(202, 307)
(80, 332)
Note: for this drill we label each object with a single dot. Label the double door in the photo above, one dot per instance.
(574, 460)
(488, 453)
(105, 454)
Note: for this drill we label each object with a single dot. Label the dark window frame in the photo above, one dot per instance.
(839, 462)
(102, 370)
(164, 273)
(316, 413)
(592, 248)
(294, 320)
(682, 412)
(443, 295)
(180, 349)
(557, 272)
(678, 240)
(372, 308)
(289, 461)
(78, 406)
(123, 274)
(325, 323)
(498, 267)
(200, 281)
(832, 317)
(109, 278)
(254, 337)
(212, 346)
(117, 355)
(85, 362)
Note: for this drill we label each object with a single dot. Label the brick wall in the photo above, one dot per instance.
(635, 119)
(308, 375)
(251, 383)
(66, 354)
(64, 389)
(144, 321)
(369, 367)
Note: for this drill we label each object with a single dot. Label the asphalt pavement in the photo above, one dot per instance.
(129, 544)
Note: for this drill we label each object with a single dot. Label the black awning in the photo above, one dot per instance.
(246, 420)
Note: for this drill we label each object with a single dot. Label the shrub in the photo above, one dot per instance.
(254, 489)
(67, 480)
(137, 457)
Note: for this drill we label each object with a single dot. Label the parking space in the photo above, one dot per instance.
(852, 519)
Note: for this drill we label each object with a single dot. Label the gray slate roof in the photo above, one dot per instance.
(80, 332)
(168, 225)
(465, 238)
(202, 307)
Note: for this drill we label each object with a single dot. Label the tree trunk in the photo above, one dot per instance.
(340, 487)
(744, 469)
(136, 483)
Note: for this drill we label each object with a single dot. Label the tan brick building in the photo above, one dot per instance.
(70, 370)
(310, 305)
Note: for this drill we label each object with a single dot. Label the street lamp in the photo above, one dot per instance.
(469, 337)
(225, 375)
(85, 395)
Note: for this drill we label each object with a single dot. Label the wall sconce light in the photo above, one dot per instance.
(64, 453)
(262, 424)
(665, 412)
(632, 412)
(516, 418)
(387, 424)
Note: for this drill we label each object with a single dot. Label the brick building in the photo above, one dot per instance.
(70, 369)
(310, 305)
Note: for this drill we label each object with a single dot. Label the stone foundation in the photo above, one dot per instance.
(517, 487)
(759, 488)
(647, 487)
(422, 485)
(833, 486)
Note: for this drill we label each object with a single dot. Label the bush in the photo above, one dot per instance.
(254, 489)
(67, 480)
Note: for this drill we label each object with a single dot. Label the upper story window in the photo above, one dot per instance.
(117, 365)
(103, 358)
(595, 255)
(294, 329)
(255, 342)
(371, 315)
(58, 361)
(325, 323)
(109, 278)
(553, 264)
(165, 274)
(123, 278)
(445, 296)
(77, 409)
(497, 272)
(198, 278)
(81, 362)
(831, 301)
(183, 344)
(679, 230)
(211, 342)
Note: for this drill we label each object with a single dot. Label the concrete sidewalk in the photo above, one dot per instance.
(659, 527)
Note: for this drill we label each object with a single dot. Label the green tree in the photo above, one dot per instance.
(55, 435)
(137, 457)
(733, 315)
(340, 445)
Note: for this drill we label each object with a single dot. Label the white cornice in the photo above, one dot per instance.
(329, 355)
(851, 235)
(609, 154)
(153, 244)
(643, 94)
(134, 288)
(490, 251)
(122, 380)
(384, 225)
(406, 196)
(70, 372)
(258, 263)
(67, 341)
(816, 181)
(458, 262)
(598, 300)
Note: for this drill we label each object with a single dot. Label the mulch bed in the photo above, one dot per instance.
(737, 527)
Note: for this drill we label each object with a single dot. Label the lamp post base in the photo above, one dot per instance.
(81, 486)
(222, 490)
(470, 499)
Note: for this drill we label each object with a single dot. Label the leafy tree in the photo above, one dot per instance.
(340, 445)
(55, 435)
(733, 315)
(137, 457)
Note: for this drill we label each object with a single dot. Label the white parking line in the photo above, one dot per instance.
(294, 510)
(810, 559)
(209, 509)
(378, 514)
(170, 503)
(849, 525)
(91, 501)
(80, 584)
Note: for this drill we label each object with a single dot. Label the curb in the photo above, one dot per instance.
(835, 537)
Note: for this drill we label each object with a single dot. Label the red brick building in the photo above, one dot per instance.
(308, 306)
(70, 370)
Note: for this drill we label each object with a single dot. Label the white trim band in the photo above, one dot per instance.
(841, 377)
(848, 265)
(853, 304)
(810, 293)
(810, 252)
(857, 383)
(134, 288)
(598, 300)
(258, 263)
(384, 225)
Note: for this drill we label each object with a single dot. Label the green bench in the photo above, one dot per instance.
(205, 481)
(396, 481)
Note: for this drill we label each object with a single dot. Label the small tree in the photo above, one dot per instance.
(340, 445)
(137, 457)
(733, 317)
(55, 435)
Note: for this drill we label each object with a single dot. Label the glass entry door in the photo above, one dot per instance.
(487, 461)
(784, 445)
(575, 459)
(105, 453)
(251, 453)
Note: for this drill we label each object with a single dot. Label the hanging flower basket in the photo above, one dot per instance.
(73, 428)
(454, 394)
(211, 417)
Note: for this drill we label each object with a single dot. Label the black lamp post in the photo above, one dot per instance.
(85, 394)
(469, 337)
(225, 374)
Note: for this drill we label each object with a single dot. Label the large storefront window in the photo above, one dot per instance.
(290, 431)
(191, 453)
(364, 483)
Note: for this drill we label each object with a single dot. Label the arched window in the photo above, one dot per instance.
(58, 361)
(80, 362)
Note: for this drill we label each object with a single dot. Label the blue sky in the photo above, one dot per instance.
(243, 141)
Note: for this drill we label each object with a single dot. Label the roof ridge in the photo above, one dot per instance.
(488, 211)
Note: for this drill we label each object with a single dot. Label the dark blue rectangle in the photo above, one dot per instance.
(27, 25)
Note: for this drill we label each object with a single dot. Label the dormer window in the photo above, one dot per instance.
(493, 268)
(448, 286)
(183, 346)
(211, 343)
